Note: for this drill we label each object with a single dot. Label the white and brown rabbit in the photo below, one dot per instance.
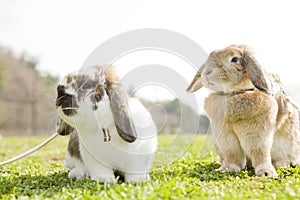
(110, 132)
(252, 117)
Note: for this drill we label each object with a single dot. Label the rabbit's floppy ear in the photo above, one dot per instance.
(121, 113)
(196, 83)
(256, 73)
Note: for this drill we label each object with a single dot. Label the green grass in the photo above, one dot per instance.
(184, 168)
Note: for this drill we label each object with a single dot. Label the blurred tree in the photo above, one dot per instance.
(204, 124)
(29, 61)
(1, 74)
(49, 79)
(174, 117)
(26, 97)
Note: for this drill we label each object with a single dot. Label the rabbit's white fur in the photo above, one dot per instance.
(252, 118)
(99, 159)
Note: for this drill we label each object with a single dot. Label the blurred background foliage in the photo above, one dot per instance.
(27, 102)
(26, 96)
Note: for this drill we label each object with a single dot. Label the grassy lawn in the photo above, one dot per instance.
(184, 168)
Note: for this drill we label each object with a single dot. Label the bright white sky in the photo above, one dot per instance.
(63, 33)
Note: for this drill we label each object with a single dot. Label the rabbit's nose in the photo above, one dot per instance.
(60, 94)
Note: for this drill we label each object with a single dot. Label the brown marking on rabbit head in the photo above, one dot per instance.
(231, 69)
(77, 88)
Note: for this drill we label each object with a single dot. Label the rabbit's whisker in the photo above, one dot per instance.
(69, 108)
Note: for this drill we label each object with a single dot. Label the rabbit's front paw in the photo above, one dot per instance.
(108, 178)
(282, 163)
(229, 168)
(136, 178)
(265, 170)
(77, 173)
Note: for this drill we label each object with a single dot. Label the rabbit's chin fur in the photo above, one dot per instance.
(102, 151)
(252, 118)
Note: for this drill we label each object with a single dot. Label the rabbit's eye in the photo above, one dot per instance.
(234, 60)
